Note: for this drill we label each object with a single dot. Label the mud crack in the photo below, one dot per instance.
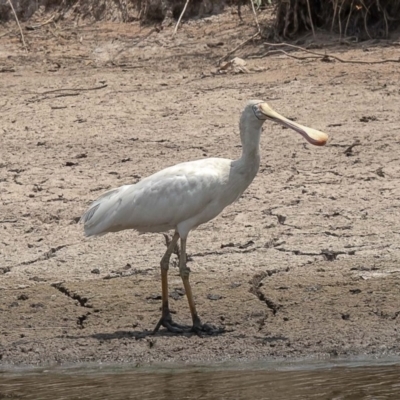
(83, 302)
(82, 319)
(256, 283)
(46, 256)
(329, 255)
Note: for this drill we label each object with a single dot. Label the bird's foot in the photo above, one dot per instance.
(198, 328)
(205, 329)
(171, 326)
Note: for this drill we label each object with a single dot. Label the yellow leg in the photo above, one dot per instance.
(166, 316)
(185, 272)
(164, 270)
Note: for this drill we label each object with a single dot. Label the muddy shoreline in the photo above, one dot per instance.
(305, 264)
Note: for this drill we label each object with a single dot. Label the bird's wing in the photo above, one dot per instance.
(160, 201)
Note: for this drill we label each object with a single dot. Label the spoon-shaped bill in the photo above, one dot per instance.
(313, 136)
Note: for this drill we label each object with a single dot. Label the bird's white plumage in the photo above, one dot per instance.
(179, 197)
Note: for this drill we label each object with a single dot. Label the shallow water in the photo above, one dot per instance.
(372, 380)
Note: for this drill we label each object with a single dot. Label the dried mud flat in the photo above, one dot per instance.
(306, 263)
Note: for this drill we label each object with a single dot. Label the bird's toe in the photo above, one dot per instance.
(170, 325)
(206, 329)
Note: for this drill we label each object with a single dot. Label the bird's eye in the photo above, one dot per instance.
(257, 113)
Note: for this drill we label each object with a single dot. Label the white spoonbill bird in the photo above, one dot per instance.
(186, 195)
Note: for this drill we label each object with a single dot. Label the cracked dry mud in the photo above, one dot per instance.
(306, 263)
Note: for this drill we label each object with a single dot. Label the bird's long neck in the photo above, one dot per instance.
(250, 132)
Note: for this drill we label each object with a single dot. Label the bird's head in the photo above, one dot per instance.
(261, 111)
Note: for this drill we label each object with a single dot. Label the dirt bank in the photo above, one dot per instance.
(305, 263)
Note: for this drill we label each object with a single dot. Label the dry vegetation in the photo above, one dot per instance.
(361, 19)
(112, 10)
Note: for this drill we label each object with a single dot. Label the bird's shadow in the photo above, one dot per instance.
(138, 335)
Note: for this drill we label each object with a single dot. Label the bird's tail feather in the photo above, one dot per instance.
(92, 225)
(89, 214)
